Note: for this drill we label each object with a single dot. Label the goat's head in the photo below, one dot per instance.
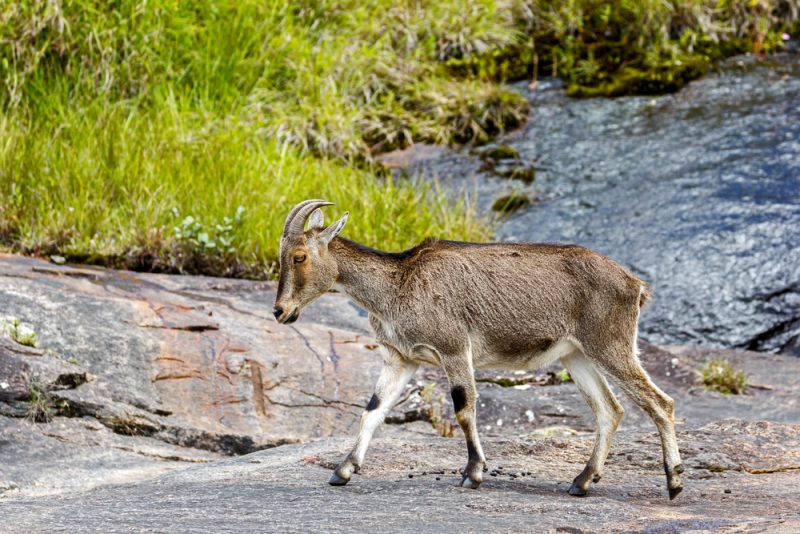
(307, 268)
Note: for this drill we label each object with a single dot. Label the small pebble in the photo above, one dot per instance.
(410, 475)
(438, 478)
(727, 491)
(493, 474)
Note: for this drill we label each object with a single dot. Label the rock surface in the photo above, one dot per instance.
(152, 383)
(746, 482)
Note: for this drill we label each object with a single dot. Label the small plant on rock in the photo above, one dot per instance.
(39, 403)
(17, 331)
(215, 240)
(720, 375)
(201, 247)
(564, 376)
(433, 404)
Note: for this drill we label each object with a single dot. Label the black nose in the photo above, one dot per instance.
(278, 311)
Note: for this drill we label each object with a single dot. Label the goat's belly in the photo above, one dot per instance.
(524, 361)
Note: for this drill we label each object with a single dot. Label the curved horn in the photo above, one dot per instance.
(296, 220)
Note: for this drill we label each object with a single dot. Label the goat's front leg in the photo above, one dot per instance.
(462, 389)
(396, 373)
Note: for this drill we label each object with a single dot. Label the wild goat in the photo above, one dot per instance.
(462, 306)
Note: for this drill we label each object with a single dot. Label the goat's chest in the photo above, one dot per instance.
(397, 337)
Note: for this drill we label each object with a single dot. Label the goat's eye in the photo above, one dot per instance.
(300, 258)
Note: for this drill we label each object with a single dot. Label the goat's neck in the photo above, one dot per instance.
(365, 275)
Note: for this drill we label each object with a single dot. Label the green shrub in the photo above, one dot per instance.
(722, 376)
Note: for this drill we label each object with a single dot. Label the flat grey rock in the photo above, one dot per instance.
(744, 482)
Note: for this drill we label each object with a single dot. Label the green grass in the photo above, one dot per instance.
(111, 186)
(720, 375)
(120, 119)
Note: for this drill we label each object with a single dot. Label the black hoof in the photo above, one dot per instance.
(673, 482)
(577, 491)
(336, 480)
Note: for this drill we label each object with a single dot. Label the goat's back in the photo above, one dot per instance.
(508, 291)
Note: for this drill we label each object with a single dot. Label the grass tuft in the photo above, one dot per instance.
(40, 404)
(720, 375)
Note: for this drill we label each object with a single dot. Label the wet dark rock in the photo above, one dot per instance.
(697, 192)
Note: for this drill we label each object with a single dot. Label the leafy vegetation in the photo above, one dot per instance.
(722, 376)
(121, 121)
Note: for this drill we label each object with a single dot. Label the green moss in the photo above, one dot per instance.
(510, 203)
(666, 78)
(497, 152)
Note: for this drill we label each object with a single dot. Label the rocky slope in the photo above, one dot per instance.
(149, 382)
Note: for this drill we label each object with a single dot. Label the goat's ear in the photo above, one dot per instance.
(333, 230)
(316, 220)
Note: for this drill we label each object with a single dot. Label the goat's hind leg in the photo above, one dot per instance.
(624, 366)
(396, 373)
(607, 412)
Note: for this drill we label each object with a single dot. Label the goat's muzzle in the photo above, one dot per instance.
(284, 318)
